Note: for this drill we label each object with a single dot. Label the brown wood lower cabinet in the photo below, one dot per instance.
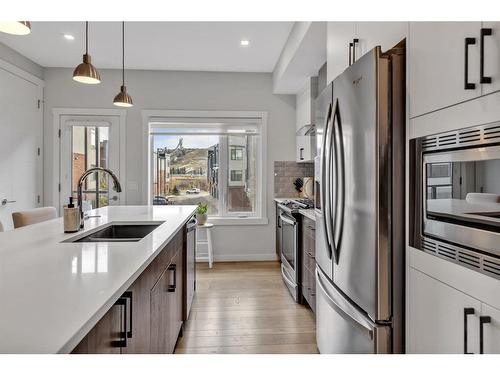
(148, 318)
(308, 246)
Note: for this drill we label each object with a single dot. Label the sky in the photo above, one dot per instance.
(189, 141)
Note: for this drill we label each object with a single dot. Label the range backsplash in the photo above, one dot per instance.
(285, 173)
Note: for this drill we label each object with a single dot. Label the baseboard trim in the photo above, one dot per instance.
(244, 257)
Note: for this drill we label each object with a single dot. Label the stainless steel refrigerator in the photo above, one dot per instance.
(360, 176)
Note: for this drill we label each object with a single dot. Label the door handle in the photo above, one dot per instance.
(482, 321)
(172, 287)
(5, 201)
(482, 77)
(467, 311)
(467, 84)
(354, 42)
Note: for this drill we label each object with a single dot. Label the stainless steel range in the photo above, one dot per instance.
(289, 220)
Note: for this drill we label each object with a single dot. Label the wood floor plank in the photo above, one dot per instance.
(244, 307)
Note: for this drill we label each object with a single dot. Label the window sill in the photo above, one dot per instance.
(238, 220)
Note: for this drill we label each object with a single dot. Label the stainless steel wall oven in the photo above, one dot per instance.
(455, 196)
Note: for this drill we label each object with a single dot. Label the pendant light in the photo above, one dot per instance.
(85, 72)
(123, 99)
(15, 27)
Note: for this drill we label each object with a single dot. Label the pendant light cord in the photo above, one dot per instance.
(86, 37)
(123, 53)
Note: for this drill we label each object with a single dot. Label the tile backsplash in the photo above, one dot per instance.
(285, 173)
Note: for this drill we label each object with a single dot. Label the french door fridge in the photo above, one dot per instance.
(360, 239)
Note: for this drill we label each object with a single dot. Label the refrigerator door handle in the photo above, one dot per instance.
(339, 162)
(324, 168)
(343, 307)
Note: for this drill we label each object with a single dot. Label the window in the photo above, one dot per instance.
(236, 175)
(86, 155)
(204, 161)
(237, 153)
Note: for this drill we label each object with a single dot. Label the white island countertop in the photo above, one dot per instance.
(53, 293)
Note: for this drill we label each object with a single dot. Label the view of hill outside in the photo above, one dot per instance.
(187, 170)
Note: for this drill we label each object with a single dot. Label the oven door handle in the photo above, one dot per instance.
(284, 219)
(286, 278)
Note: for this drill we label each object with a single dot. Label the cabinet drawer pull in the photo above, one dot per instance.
(311, 254)
(482, 321)
(354, 41)
(310, 227)
(301, 150)
(171, 287)
(128, 295)
(467, 84)
(482, 77)
(122, 343)
(467, 311)
(350, 54)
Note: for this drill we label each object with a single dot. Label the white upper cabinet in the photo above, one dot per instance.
(438, 53)
(383, 34)
(305, 118)
(304, 104)
(436, 317)
(491, 54)
(339, 35)
(347, 41)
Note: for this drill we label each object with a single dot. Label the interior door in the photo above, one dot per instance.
(20, 146)
(86, 142)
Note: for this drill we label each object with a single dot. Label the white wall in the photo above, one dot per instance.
(15, 58)
(187, 91)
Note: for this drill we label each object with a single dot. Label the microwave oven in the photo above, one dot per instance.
(455, 196)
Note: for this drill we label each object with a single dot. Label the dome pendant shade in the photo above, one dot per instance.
(86, 73)
(15, 27)
(123, 99)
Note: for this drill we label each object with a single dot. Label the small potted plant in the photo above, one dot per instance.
(201, 213)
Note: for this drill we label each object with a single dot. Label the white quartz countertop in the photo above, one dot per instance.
(53, 293)
(309, 213)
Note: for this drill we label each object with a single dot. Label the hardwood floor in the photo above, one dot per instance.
(244, 307)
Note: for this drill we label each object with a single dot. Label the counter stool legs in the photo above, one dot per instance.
(210, 253)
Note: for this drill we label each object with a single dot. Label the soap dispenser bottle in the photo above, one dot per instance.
(71, 217)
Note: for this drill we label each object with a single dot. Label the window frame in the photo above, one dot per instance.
(151, 118)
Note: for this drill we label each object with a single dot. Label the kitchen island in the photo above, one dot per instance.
(54, 293)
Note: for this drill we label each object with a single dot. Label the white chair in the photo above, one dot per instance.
(202, 256)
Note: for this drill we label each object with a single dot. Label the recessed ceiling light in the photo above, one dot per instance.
(245, 42)
(69, 37)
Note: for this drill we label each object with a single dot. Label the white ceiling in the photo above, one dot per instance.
(198, 46)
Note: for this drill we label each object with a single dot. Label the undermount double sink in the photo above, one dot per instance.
(118, 232)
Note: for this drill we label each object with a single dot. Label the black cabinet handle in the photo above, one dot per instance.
(354, 41)
(350, 53)
(482, 321)
(128, 295)
(301, 150)
(467, 311)
(122, 343)
(482, 78)
(467, 84)
(171, 287)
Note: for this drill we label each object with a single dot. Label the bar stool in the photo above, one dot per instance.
(34, 216)
(208, 256)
